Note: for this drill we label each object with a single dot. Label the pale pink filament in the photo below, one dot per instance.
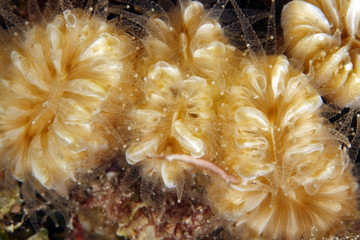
(198, 162)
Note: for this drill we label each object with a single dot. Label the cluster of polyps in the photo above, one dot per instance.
(275, 169)
(251, 124)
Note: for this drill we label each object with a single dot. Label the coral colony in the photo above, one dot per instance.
(168, 93)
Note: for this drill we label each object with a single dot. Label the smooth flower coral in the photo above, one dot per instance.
(186, 53)
(176, 117)
(190, 37)
(325, 35)
(295, 177)
(58, 84)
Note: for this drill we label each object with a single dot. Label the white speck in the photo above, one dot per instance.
(348, 66)
(129, 128)
(124, 146)
(221, 93)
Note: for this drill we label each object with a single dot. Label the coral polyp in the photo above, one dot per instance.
(177, 115)
(175, 118)
(294, 175)
(325, 35)
(56, 83)
(189, 36)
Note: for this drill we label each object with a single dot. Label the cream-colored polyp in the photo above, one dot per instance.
(325, 33)
(294, 176)
(185, 61)
(54, 86)
(191, 38)
(174, 118)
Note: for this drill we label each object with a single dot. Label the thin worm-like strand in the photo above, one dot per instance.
(198, 162)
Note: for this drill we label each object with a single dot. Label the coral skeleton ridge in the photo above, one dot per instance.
(55, 87)
(325, 35)
(295, 177)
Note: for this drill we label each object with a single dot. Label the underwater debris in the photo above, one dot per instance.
(110, 208)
